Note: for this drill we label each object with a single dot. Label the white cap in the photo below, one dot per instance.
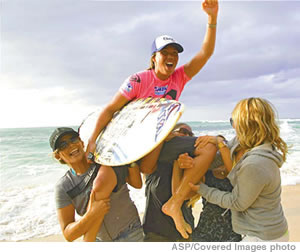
(162, 41)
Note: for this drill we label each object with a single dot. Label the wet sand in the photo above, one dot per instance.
(290, 203)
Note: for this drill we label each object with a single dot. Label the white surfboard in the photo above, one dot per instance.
(134, 131)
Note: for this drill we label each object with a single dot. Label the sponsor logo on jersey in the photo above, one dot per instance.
(128, 87)
(160, 90)
(135, 78)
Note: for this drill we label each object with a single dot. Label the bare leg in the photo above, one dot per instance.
(103, 185)
(173, 206)
(177, 176)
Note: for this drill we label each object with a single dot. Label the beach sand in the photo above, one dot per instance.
(290, 202)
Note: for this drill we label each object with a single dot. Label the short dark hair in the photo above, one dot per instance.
(178, 125)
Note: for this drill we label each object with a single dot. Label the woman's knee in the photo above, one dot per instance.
(208, 150)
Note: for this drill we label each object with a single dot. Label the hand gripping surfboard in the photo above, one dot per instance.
(134, 131)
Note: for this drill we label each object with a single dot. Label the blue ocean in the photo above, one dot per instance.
(28, 174)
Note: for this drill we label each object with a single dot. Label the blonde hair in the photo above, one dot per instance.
(255, 123)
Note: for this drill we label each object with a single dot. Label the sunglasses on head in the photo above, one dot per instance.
(231, 121)
(64, 144)
(184, 131)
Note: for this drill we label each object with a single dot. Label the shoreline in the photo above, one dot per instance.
(289, 199)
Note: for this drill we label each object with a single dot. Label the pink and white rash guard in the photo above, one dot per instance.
(146, 84)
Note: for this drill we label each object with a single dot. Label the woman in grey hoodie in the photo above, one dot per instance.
(255, 200)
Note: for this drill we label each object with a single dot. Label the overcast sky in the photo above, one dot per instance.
(62, 59)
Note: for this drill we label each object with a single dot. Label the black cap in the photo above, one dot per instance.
(58, 133)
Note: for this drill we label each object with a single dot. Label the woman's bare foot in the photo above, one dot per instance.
(170, 209)
(187, 226)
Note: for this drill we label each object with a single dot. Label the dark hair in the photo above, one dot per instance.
(178, 125)
(152, 65)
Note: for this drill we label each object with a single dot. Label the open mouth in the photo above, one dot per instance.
(169, 64)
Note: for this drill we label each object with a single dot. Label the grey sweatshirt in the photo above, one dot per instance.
(255, 200)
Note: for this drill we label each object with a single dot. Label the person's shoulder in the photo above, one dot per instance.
(259, 166)
(261, 155)
(62, 179)
(180, 71)
(138, 77)
(180, 74)
(63, 182)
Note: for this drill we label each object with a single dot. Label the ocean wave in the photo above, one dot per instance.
(27, 212)
(29, 174)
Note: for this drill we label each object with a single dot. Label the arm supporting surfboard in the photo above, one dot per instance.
(117, 102)
(148, 163)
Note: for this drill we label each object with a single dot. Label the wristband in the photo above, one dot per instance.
(90, 156)
(211, 25)
(222, 145)
(134, 164)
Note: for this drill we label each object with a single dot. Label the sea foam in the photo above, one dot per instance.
(28, 175)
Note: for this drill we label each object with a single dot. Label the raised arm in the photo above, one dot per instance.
(191, 68)
(117, 102)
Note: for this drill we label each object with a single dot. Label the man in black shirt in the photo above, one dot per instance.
(157, 226)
